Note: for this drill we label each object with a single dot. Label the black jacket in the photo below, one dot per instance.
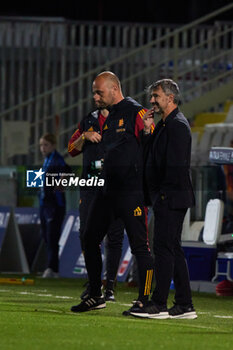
(167, 171)
(122, 150)
(91, 151)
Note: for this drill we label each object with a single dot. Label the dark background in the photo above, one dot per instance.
(124, 11)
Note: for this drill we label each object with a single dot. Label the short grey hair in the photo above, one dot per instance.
(169, 87)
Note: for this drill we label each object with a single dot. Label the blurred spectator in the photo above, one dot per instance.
(228, 170)
(52, 203)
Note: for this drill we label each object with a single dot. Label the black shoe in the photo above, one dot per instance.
(149, 310)
(85, 294)
(127, 312)
(182, 311)
(135, 300)
(91, 303)
(109, 295)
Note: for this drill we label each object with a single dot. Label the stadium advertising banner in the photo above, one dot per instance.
(28, 221)
(4, 219)
(71, 262)
(126, 260)
(27, 216)
(71, 258)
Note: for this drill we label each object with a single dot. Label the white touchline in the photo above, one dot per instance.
(39, 295)
(50, 310)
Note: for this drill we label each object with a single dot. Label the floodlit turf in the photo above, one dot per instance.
(38, 317)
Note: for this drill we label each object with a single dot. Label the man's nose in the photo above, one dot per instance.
(152, 100)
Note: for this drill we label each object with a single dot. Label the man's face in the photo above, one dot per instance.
(103, 93)
(160, 100)
(46, 147)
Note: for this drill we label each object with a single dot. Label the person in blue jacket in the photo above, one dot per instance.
(52, 203)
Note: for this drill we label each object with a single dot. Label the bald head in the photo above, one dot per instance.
(106, 90)
(109, 78)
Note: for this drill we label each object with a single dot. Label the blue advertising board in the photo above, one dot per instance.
(12, 254)
(27, 216)
(28, 221)
(126, 260)
(4, 219)
(71, 259)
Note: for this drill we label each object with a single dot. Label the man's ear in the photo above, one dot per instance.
(115, 87)
(171, 98)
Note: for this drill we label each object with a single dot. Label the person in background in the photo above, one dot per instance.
(86, 140)
(52, 203)
(228, 171)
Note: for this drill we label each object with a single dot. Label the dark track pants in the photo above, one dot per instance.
(114, 239)
(169, 256)
(103, 210)
(51, 223)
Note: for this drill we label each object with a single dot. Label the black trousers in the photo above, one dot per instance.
(51, 223)
(103, 210)
(169, 256)
(113, 241)
(113, 249)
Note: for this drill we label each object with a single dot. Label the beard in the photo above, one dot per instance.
(101, 105)
(158, 109)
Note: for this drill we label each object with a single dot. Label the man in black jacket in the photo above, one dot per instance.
(86, 140)
(122, 195)
(168, 180)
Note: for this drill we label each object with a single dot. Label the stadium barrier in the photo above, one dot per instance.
(12, 253)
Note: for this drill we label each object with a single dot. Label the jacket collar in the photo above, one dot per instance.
(120, 104)
(171, 115)
(160, 125)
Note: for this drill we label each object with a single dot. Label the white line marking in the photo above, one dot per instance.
(50, 310)
(39, 295)
(176, 324)
(63, 297)
(58, 312)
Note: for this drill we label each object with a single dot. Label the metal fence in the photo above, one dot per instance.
(46, 78)
(36, 56)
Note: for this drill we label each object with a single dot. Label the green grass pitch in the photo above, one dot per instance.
(38, 317)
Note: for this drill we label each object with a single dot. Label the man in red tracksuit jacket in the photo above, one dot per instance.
(122, 195)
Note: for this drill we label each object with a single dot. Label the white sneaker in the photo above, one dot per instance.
(49, 273)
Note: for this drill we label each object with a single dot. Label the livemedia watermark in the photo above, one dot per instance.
(39, 178)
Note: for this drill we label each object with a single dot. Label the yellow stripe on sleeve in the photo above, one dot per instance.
(149, 277)
(71, 147)
(75, 133)
(141, 113)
